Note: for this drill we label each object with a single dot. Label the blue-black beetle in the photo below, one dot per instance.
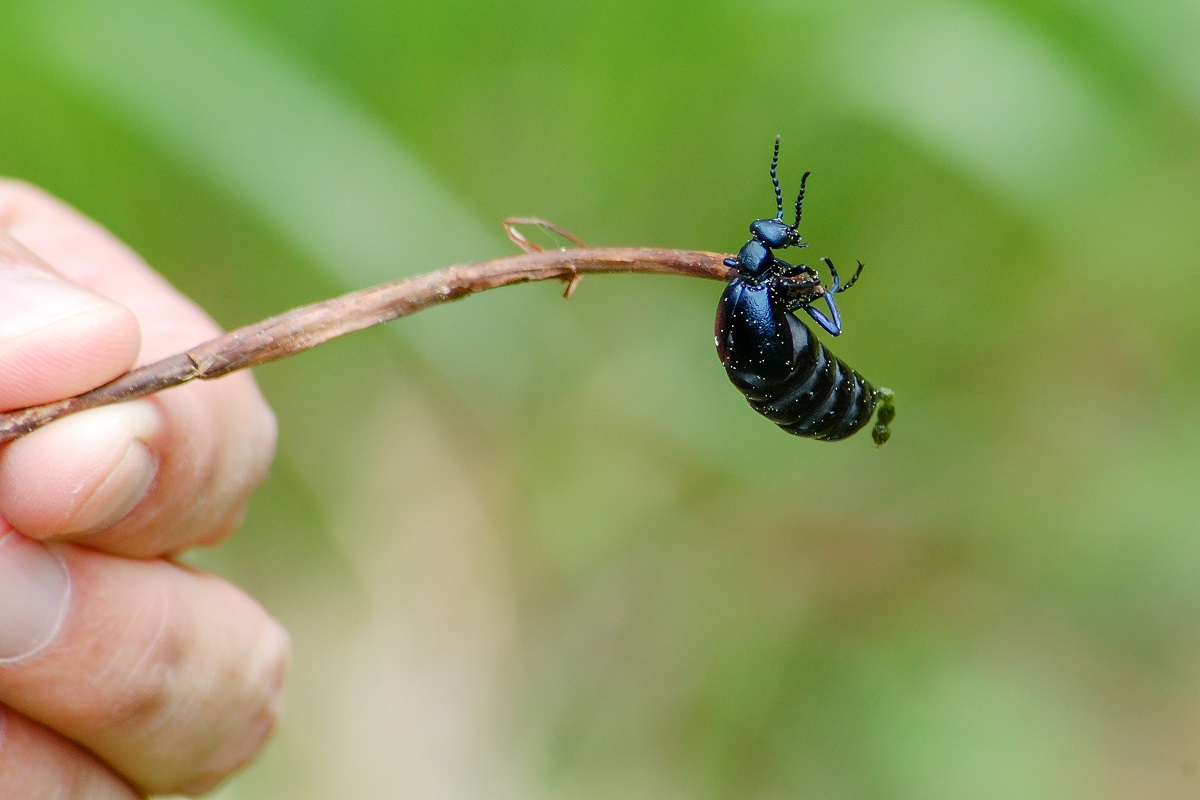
(772, 357)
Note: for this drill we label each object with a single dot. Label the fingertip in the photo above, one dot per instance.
(81, 474)
(57, 338)
(16, 194)
(67, 357)
(35, 591)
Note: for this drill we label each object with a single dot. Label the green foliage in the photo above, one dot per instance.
(533, 548)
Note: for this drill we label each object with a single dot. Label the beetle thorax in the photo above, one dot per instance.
(755, 261)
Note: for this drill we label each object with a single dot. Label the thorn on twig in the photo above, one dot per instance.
(521, 241)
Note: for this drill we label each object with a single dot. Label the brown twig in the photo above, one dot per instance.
(308, 326)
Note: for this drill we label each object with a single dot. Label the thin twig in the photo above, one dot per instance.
(308, 326)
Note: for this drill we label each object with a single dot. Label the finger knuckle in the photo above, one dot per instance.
(258, 713)
(147, 691)
(194, 721)
(277, 662)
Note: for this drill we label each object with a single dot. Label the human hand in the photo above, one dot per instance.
(122, 673)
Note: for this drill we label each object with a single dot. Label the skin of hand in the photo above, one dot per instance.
(122, 673)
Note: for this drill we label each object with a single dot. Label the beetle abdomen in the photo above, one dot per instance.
(819, 396)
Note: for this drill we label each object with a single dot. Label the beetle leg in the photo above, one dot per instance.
(798, 294)
(837, 286)
(803, 287)
(831, 323)
(790, 271)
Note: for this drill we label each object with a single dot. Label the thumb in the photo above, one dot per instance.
(57, 338)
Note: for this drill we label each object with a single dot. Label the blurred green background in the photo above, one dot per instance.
(530, 548)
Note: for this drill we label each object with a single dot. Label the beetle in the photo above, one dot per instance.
(772, 357)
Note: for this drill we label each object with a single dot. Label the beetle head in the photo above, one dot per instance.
(775, 233)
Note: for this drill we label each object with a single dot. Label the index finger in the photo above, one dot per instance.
(141, 479)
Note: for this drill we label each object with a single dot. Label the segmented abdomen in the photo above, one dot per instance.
(784, 371)
(821, 398)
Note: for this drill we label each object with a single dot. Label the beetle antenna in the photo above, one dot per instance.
(775, 181)
(799, 199)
